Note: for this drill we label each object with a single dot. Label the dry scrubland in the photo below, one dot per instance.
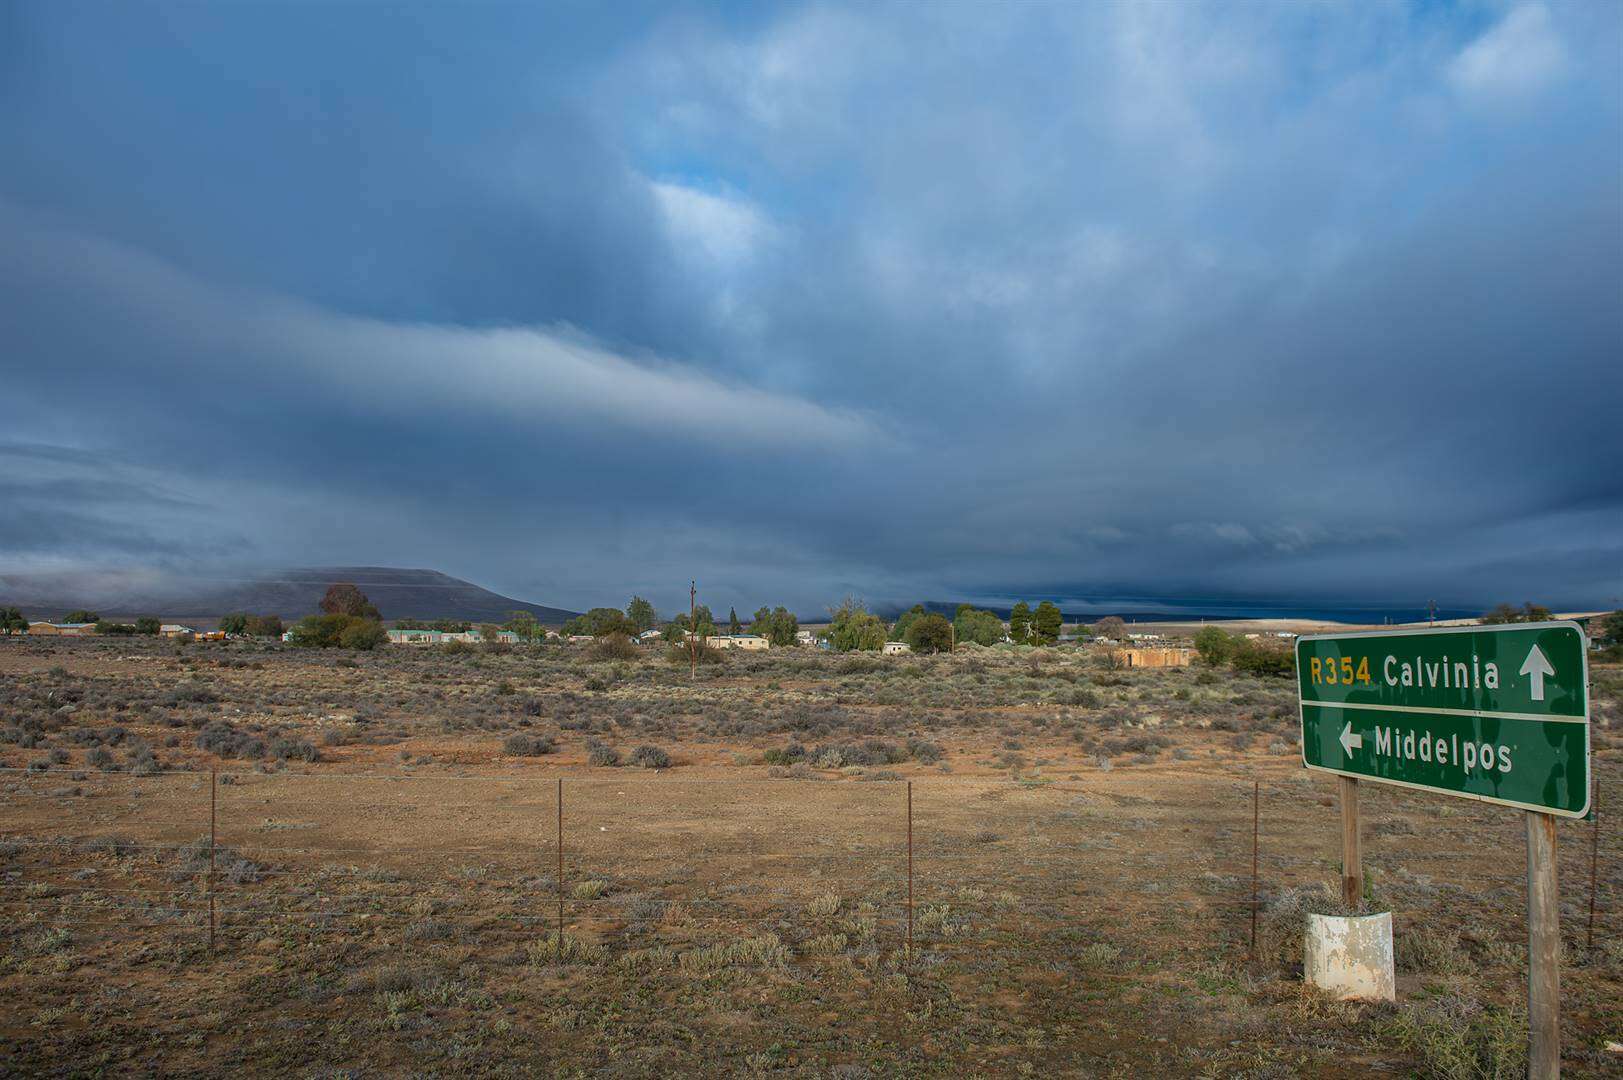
(387, 897)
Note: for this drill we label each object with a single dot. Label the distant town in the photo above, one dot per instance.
(348, 619)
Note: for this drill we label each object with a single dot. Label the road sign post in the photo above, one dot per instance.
(1494, 713)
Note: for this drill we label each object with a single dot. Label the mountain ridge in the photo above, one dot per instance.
(292, 593)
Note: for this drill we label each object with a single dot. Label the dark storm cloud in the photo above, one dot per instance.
(1270, 302)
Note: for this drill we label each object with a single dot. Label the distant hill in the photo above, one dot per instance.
(292, 594)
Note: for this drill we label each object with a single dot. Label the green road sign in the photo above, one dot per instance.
(1497, 713)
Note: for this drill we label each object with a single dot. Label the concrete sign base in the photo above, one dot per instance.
(1350, 957)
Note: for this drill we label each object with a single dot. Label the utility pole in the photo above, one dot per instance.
(693, 630)
(1431, 608)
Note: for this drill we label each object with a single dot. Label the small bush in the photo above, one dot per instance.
(601, 754)
(1459, 1038)
(222, 739)
(614, 647)
(528, 745)
(787, 755)
(589, 890)
(289, 749)
(924, 751)
(650, 757)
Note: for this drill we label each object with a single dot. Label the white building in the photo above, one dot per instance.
(897, 648)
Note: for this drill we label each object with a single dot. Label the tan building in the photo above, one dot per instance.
(738, 641)
(1153, 658)
(62, 629)
(897, 648)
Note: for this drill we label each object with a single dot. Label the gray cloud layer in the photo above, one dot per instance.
(1276, 301)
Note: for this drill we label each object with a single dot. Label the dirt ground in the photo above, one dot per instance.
(1076, 897)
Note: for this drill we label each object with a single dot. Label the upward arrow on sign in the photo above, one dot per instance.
(1536, 666)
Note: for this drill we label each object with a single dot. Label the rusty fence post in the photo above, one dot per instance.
(560, 869)
(214, 780)
(910, 869)
(1256, 818)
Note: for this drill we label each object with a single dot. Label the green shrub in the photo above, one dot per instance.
(521, 745)
(338, 631)
(1458, 1038)
(601, 754)
(650, 757)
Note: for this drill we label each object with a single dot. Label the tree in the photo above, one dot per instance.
(1110, 627)
(1046, 623)
(601, 621)
(1214, 645)
(266, 626)
(363, 634)
(980, 627)
(1020, 623)
(1081, 631)
(343, 598)
(338, 631)
(642, 614)
(234, 624)
(1607, 629)
(1263, 659)
(12, 621)
(734, 627)
(929, 633)
(524, 624)
(116, 629)
(1504, 613)
(778, 626)
(853, 628)
(905, 621)
(146, 624)
(673, 632)
(81, 616)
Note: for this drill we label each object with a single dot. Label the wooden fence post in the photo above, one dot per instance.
(1352, 866)
(1543, 950)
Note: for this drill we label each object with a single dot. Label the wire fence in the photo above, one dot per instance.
(938, 865)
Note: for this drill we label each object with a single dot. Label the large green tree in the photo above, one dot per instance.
(980, 627)
(734, 627)
(929, 633)
(524, 624)
(1214, 645)
(853, 628)
(1046, 623)
(642, 614)
(904, 621)
(778, 626)
(81, 615)
(235, 624)
(1020, 623)
(338, 631)
(12, 621)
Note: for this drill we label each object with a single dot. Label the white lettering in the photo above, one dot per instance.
(1386, 671)
(1490, 676)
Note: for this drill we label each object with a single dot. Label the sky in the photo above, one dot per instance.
(1296, 303)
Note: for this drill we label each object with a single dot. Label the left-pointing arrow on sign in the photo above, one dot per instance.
(1350, 740)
